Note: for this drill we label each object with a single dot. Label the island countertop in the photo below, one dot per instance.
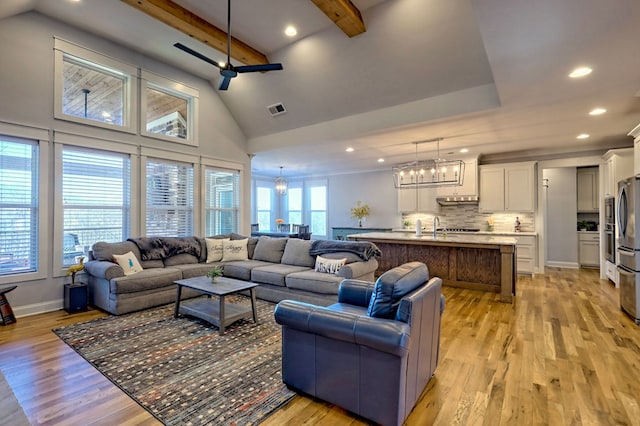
(477, 262)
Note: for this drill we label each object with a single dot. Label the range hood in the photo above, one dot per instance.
(454, 200)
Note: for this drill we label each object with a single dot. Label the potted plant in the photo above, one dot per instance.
(214, 273)
(74, 269)
(406, 224)
(360, 211)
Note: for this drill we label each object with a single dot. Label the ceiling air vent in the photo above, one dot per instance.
(276, 109)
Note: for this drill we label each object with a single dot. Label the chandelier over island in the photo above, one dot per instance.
(428, 173)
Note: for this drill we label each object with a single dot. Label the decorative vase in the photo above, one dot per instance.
(360, 223)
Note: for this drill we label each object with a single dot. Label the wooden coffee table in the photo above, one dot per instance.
(220, 314)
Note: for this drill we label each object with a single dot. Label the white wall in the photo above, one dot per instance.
(561, 207)
(374, 188)
(26, 85)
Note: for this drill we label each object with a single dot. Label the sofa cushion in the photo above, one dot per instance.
(214, 249)
(148, 264)
(105, 251)
(296, 253)
(180, 259)
(128, 262)
(242, 269)
(196, 269)
(148, 279)
(315, 282)
(270, 249)
(234, 250)
(329, 266)
(274, 274)
(393, 285)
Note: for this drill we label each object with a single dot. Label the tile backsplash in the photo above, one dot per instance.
(468, 216)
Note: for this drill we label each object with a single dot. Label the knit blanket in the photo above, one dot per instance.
(365, 249)
(159, 248)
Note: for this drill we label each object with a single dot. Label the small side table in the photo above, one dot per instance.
(5, 308)
(75, 297)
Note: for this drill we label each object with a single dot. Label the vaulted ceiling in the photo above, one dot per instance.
(487, 75)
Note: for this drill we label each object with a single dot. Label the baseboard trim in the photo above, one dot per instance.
(569, 265)
(38, 308)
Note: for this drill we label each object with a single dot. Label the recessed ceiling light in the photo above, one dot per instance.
(580, 72)
(380, 160)
(597, 111)
(222, 64)
(464, 150)
(290, 31)
(582, 136)
(349, 149)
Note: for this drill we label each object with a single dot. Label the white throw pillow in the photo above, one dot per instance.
(235, 250)
(215, 249)
(329, 266)
(128, 262)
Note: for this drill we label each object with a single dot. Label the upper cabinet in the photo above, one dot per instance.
(587, 190)
(508, 187)
(618, 166)
(469, 185)
(417, 200)
(635, 134)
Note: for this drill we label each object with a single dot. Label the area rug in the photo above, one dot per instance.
(182, 371)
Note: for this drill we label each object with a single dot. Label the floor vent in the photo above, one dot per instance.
(276, 109)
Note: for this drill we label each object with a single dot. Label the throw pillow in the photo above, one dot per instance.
(235, 250)
(128, 262)
(393, 285)
(329, 266)
(215, 249)
(269, 249)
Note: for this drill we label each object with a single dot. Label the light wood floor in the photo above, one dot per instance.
(562, 354)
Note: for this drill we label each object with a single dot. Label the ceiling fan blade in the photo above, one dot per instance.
(224, 83)
(197, 54)
(258, 68)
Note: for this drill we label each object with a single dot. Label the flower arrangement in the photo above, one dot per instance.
(215, 272)
(490, 223)
(74, 269)
(360, 211)
(279, 221)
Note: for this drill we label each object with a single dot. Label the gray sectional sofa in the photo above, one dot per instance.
(283, 268)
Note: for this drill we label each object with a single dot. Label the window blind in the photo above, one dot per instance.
(96, 193)
(169, 199)
(18, 206)
(222, 201)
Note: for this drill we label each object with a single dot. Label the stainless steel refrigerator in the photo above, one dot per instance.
(629, 246)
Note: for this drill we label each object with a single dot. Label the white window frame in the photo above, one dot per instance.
(225, 166)
(79, 54)
(307, 204)
(287, 212)
(149, 80)
(41, 136)
(170, 157)
(275, 200)
(62, 139)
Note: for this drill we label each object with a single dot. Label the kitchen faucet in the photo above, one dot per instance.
(436, 222)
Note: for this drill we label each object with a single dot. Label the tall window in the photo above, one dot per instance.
(169, 199)
(264, 201)
(222, 201)
(318, 208)
(294, 204)
(18, 206)
(96, 197)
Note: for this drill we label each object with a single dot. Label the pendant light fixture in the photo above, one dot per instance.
(281, 184)
(429, 173)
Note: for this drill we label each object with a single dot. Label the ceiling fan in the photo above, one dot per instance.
(228, 71)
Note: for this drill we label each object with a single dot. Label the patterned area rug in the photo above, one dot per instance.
(182, 371)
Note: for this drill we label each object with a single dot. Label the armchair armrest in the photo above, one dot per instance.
(381, 334)
(355, 292)
(103, 269)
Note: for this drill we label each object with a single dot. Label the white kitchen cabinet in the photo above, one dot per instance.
(417, 200)
(469, 185)
(618, 166)
(589, 249)
(587, 178)
(526, 253)
(635, 133)
(507, 187)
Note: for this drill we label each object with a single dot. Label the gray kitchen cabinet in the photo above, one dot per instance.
(589, 249)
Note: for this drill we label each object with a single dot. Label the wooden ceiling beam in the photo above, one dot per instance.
(194, 26)
(344, 14)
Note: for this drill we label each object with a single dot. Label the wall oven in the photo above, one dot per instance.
(610, 229)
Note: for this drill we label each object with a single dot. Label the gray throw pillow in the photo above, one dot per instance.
(393, 285)
(270, 249)
(296, 253)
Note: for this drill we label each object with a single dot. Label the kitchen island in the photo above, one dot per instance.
(477, 262)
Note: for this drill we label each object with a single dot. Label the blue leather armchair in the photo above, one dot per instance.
(374, 367)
